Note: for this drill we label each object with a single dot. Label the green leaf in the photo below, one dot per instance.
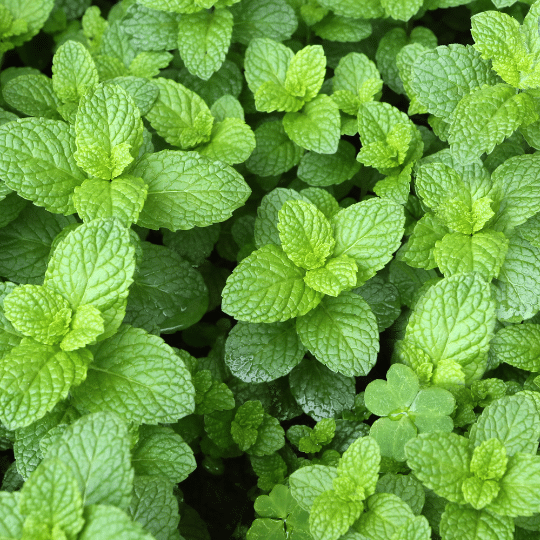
(179, 115)
(431, 410)
(86, 325)
(187, 190)
(316, 126)
(486, 117)
(305, 73)
(36, 160)
(255, 19)
(361, 462)
(247, 419)
(305, 234)
(392, 434)
(204, 39)
(518, 345)
(307, 483)
(343, 29)
(33, 95)
(461, 523)
(262, 352)
(94, 265)
(274, 152)
(123, 198)
(463, 302)
(401, 11)
(231, 141)
(321, 170)
(96, 448)
(513, 420)
(341, 333)
(138, 376)
(267, 287)
(518, 278)
(51, 496)
(108, 131)
(34, 14)
(110, 523)
(407, 487)
(483, 253)
(479, 493)
(338, 275)
(516, 189)
(73, 72)
(11, 520)
(441, 462)
(331, 516)
(518, 495)
(162, 452)
(34, 378)
(154, 506)
(489, 460)
(440, 78)
(270, 437)
(321, 393)
(383, 299)
(437, 183)
(38, 312)
(143, 91)
(167, 293)
(369, 232)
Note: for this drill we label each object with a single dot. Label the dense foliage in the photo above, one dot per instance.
(284, 252)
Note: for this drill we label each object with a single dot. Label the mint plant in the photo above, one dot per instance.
(280, 255)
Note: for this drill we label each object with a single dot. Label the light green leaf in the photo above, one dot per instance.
(96, 448)
(341, 333)
(262, 352)
(52, 497)
(479, 493)
(11, 520)
(203, 40)
(454, 320)
(231, 141)
(73, 71)
(38, 312)
(143, 91)
(110, 523)
(94, 265)
(305, 234)
(361, 462)
(255, 19)
(33, 95)
(36, 160)
(274, 152)
(162, 452)
(331, 516)
(187, 190)
(486, 117)
(489, 460)
(513, 420)
(407, 487)
(483, 253)
(138, 376)
(369, 232)
(342, 29)
(148, 64)
(34, 378)
(86, 325)
(123, 198)
(461, 523)
(33, 13)
(270, 437)
(316, 127)
(321, 170)
(267, 287)
(518, 345)
(321, 393)
(441, 77)
(441, 462)
(431, 410)
(227, 106)
(392, 434)
(108, 131)
(179, 115)
(437, 182)
(401, 11)
(307, 483)
(337, 275)
(305, 73)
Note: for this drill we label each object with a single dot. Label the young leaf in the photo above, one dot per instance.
(331, 516)
(338, 275)
(518, 345)
(307, 483)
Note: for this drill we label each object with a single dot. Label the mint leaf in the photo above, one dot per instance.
(341, 333)
(316, 126)
(108, 132)
(518, 345)
(94, 265)
(309, 482)
(85, 327)
(111, 523)
(33, 95)
(37, 162)
(96, 450)
(305, 73)
(187, 190)
(139, 377)
(162, 452)
(305, 234)
(360, 462)
(143, 91)
(11, 520)
(179, 115)
(407, 487)
(51, 496)
(267, 287)
(331, 516)
(338, 275)
(203, 40)
(262, 352)
(370, 241)
(34, 378)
